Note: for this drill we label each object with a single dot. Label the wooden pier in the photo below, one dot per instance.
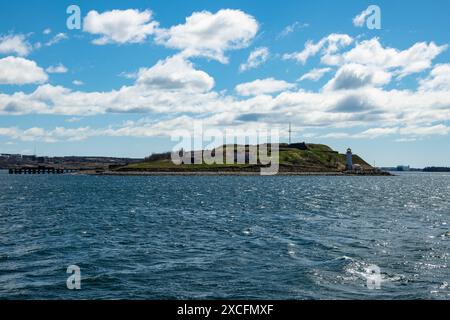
(40, 170)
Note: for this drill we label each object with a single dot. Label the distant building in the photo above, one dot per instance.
(11, 156)
(28, 158)
(349, 165)
(300, 146)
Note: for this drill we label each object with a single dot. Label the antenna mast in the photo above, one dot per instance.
(290, 133)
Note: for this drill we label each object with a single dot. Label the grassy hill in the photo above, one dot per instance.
(293, 158)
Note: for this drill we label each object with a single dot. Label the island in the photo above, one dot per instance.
(294, 159)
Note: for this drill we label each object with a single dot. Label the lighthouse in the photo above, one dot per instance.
(349, 165)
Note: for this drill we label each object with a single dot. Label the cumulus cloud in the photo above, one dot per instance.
(256, 58)
(415, 59)
(175, 73)
(341, 108)
(438, 79)
(353, 103)
(60, 68)
(371, 53)
(369, 107)
(77, 82)
(172, 85)
(355, 97)
(210, 35)
(355, 76)
(326, 46)
(15, 44)
(264, 86)
(315, 74)
(19, 71)
(141, 128)
(120, 26)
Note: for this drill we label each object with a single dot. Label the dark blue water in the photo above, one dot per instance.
(225, 237)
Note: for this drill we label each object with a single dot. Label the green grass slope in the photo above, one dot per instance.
(313, 158)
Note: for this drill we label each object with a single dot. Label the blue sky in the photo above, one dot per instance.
(136, 71)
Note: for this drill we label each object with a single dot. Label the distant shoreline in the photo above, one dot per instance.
(224, 173)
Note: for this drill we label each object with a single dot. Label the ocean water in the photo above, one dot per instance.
(225, 237)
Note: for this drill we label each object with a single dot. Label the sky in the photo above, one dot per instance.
(136, 71)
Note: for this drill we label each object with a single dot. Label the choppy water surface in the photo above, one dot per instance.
(225, 237)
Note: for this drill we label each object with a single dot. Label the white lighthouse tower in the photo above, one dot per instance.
(349, 159)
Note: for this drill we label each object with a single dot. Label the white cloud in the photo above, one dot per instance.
(120, 26)
(291, 28)
(405, 140)
(19, 71)
(326, 46)
(315, 74)
(74, 119)
(343, 108)
(142, 128)
(137, 98)
(256, 58)
(128, 75)
(148, 128)
(367, 106)
(174, 86)
(415, 59)
(47, 31)
(399, 63)
(15, 44)
(438, 80)
(336, 135)
(60, 68)
(415, 131)
(396, 111)
(210, 35)
(175, 73)
(373, 133)
(48, 136)
(57, 38)
(355, 76)
(264, 86)
(77, 82)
